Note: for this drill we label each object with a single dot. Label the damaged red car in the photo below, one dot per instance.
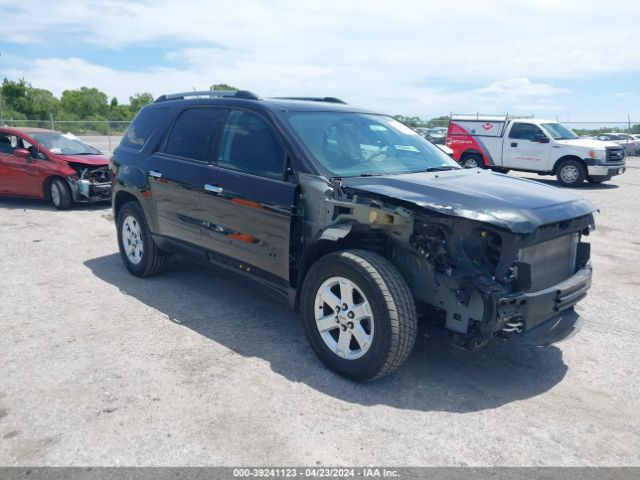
(59, 167)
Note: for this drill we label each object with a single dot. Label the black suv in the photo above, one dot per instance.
(360, 222)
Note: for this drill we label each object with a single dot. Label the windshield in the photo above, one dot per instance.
(64, 143)
(558, 131)
(356, 144)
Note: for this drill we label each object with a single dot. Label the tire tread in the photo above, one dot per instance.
(397, 298)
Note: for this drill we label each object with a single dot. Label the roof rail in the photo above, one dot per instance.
(484, 116)
(246, 94)
(313, 99)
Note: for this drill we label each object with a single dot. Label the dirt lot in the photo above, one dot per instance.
(200, 367)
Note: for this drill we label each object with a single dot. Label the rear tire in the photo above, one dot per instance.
(571, 173)
(60, 194)
(472, 160)
(358, 294)
(138, 251)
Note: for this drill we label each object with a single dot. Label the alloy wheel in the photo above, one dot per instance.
(344, 318)
(132, 239)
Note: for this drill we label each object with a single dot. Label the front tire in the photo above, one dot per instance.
(571, 173)
(359, 315)
(138, 251)
(60, 194)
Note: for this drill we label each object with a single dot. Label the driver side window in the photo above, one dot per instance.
(8, 143)
(524, 131)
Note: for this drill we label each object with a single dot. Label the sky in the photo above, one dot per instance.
(566, 59)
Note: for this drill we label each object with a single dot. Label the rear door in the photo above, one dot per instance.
(521, 151)
(247, 201)
(177, 173)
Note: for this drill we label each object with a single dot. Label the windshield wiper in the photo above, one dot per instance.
(83, 153)
(442, 168)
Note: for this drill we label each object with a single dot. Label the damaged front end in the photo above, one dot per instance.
(488, 282)
(90, 183)
(497, 271)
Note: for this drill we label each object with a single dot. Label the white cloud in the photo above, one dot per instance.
(394, 56)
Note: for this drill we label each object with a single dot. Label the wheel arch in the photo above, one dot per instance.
(472, 151)
(332, 239)
(565, 158)
(46, 184)
(122, 197)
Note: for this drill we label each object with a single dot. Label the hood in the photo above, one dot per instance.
(93, 160)
(515, 204)
(590, 143)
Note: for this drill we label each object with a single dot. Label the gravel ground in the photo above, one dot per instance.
(199, 367)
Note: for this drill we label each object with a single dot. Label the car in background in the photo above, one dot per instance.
(630, 144)
(434, 135)
(55, 166)
(505, 142)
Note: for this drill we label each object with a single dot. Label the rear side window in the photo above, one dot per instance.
(141, 128)
(194, 133)
(250, 145)
(524, 131)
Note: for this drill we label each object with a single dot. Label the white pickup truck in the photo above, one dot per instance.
(530, 144)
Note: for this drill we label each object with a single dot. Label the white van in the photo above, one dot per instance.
(506, 143)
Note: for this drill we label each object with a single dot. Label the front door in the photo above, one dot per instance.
(177, 173)
(18, 175)
(521, 151)
(247, 202)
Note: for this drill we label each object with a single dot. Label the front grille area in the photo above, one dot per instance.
(615, 154)
(552, 261)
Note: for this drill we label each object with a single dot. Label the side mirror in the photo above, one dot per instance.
(541, 138)
(22, 152)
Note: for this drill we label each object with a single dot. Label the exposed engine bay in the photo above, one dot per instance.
(477, 279)
(90, 183)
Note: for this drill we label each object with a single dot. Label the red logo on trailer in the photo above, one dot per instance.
(487, 126)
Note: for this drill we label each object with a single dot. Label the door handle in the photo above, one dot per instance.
(154, 174)
(212, 188)
(514, 144)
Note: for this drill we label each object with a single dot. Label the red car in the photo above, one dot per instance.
(56, 166)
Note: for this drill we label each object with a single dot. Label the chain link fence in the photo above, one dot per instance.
(105, 135)
(590, 126)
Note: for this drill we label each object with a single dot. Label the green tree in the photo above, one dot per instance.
(438, 122)
(14, 96)
(20, 99)
(139, 100)
(43, 103)
(412, 122)
(222, 86)
(84, 103)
